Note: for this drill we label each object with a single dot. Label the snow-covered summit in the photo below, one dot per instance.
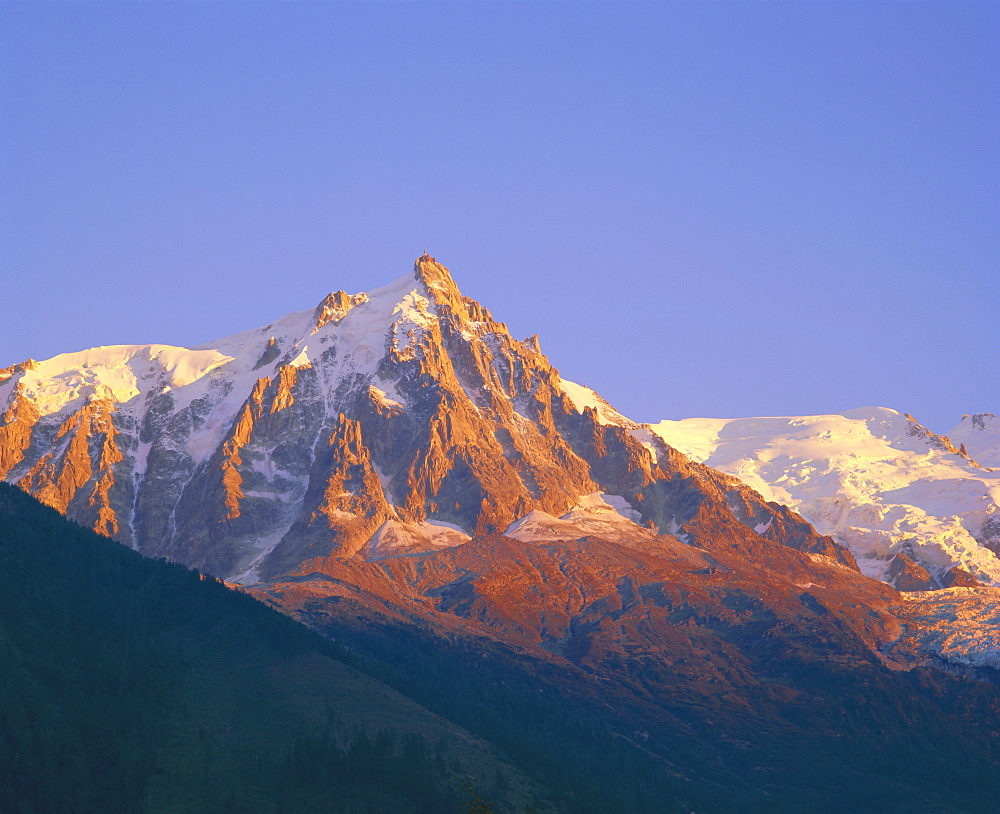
(378, 424)
(872, 478)
(405, 418)
(139, 440)
(980, 435)
(220, 373)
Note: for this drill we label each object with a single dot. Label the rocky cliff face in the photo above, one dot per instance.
(398, 421)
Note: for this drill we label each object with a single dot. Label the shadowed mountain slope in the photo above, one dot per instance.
(750, 678)
(132, 685)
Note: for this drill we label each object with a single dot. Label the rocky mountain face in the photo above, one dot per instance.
(784, 677)
(397, 471)
(394, 422)
(918, 510)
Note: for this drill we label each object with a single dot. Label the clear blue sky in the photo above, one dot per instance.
(724, 209)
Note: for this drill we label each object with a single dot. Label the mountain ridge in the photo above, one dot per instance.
(914, 508)
(397, 471)
(407, 414)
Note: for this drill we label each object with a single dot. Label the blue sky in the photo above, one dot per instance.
(703, 209)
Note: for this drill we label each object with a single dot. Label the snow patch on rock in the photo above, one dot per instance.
(394, 538)
(597, 514)
(583, 397)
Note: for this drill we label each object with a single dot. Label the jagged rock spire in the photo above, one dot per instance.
(437, 280)
(335, 306)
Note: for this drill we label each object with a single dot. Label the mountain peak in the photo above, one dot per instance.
(335, 306)
(296, 442)
(436, 279)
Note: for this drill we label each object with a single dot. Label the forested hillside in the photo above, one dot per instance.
(133, 685)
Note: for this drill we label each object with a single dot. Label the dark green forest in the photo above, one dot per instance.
(132, 685)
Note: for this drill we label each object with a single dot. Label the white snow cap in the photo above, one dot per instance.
(868, 477)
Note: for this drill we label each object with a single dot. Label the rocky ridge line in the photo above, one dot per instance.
(373, 425)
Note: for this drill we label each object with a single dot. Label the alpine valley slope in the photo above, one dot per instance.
(132, 685)
(639, 630)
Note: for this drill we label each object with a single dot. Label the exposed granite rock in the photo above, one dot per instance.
(959, 578)
(905, 574)
(291, 446)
